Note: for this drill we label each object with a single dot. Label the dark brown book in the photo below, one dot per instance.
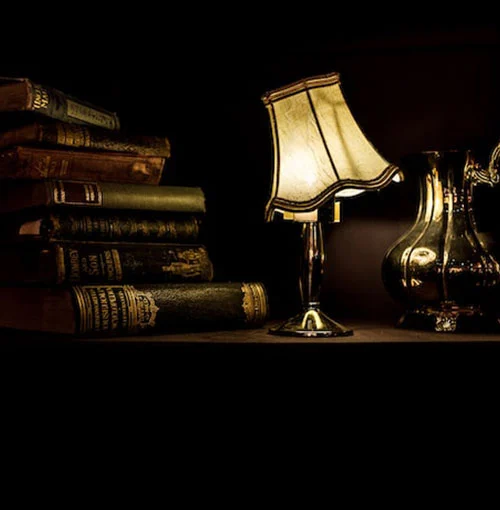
(17, 195)
(63, 134)
(23, 95)
(67, 262)
(42, 163)
(100, 225)
(119, 310)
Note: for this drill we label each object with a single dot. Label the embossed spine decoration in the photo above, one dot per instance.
(254, 302)
(76, 136)
(143, 309)
(16, 195)
(120, 228)
(43, 163)
(58, 105)
(439, 270)
(114, 309)
(63, 262)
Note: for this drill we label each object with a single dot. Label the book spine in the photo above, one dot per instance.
(134, 262)
(29, 163)
(53, 103)
(76, 136)
(88, 227)
(123, 196)
(84, 137)
(18, 195)
(116, 310)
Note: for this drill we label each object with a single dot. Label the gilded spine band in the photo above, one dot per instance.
(95, 263)
(75, 193)
(121, 309)
(152, 308)
(254, 302)
(127, 227)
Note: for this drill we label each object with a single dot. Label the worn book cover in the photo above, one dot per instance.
(86, 224)
(41, 163)
(23, 95)
(18, 195)
(73, 136)
(139, 309)
(66, 262)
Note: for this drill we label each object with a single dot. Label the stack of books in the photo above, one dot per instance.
(93, 241)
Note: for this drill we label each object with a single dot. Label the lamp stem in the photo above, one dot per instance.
(311, 271)
(311, 322)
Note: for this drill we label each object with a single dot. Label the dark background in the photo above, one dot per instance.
(411, 85)
(414, 81)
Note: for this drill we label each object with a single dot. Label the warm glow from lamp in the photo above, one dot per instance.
(319, 148)
(320, 155)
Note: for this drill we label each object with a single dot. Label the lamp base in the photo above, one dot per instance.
(309, 324)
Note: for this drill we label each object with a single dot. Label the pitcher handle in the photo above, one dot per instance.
(494, 164)
(476, 174)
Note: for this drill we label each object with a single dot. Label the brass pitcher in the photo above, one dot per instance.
(440, 270)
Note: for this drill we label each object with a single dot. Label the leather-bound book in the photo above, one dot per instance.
(68, 262)
(85, 224)
(42, 163)
(120, 310)
(73, 136)
(16, 195)
(23, 95)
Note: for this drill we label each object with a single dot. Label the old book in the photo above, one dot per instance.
(42, 163)
(22, 95)
(66, 135)
(16, 195)
(101, 225)
(119, 310)
(63, 262)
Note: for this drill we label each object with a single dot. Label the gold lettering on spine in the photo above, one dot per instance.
(87, 114)
(60, 265)
(74, 265)
(113, 308)
(117, 265)
(108, 308)
(41, 98)
(104, 309)
(96, 315)
(125, 308)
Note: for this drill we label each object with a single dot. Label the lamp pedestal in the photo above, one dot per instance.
(311, 322)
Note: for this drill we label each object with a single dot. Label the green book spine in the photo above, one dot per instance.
(22, 94)
(145, 309)
(89, 225)
(16, 195)
(61, 263)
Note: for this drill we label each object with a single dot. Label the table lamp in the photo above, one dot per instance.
(320, 155)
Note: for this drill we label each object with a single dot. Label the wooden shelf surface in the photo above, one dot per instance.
(364, 333)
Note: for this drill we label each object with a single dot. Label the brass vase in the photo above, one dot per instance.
(440, 270)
